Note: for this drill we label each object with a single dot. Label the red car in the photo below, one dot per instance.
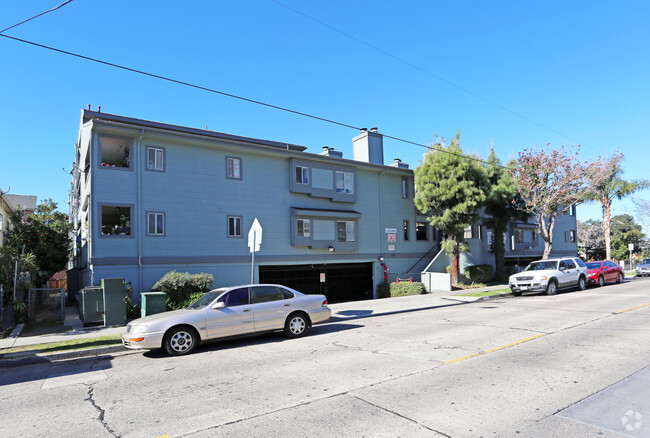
(604, 272)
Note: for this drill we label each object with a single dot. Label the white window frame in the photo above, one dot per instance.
(304, 227)
(349, 231)
(303, 178)
(158, 158)
(236, 223)
(344, 182)
(233, 168)
(155, 231)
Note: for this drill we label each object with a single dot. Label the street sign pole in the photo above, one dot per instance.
(254, 242)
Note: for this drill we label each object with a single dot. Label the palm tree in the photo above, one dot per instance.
(610, 188)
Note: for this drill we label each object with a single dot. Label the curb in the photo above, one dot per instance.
(75, 354)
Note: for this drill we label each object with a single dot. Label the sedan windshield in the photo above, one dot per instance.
(205, 299)
(593, 265)
(540, 266)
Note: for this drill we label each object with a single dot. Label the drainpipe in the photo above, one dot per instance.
(381, 229)
(140, 223)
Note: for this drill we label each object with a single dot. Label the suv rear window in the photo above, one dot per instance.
(580, 263)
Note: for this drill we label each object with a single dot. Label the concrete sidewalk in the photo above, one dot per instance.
(340, 312)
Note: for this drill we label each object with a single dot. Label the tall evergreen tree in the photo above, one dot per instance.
(450, 189)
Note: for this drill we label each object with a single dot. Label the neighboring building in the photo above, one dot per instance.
(147, 198)
(9, 204)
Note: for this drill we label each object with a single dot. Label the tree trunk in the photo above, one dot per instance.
(498, 249)
(546, 231)
(607, 226)
(455, 258)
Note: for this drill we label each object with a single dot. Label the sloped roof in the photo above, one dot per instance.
(26, 202)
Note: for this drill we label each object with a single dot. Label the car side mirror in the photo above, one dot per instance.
(219, 305)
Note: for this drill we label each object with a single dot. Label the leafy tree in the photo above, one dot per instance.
(40, 242)
(501, 207)
(591, 243)
(550, 183)
(612, 186)
(625, 231)
(450, 189)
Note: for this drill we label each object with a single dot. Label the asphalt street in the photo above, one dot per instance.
(573, 364)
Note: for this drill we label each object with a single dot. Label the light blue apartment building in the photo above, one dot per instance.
(147, 198)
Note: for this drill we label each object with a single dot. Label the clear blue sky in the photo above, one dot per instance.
(509, 74)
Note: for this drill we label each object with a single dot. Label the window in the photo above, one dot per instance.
(1, 221)
(467, 233)
(570, 264)
(304, 228)
(519, 235)
(572, 211)
(405, 225)
(534, 236)
(344, 182)
(155, 224)
(234, 226)
(233, 168)
(302, 175)
(155, 158)
(116, 220)
(421, 231)
(572, 236)
(115, 152)
(345, 231)
(236, 297)
(264, 294)
(405, 188)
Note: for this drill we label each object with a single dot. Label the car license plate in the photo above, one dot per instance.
(523, 287)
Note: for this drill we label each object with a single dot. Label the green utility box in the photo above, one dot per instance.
(114, 301)
(91, 304)
(153, 302)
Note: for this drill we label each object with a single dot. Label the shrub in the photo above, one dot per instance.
(479, 273)
(383, 290)
(182, 287)
(407, 288)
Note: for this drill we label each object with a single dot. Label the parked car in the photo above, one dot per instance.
(605, 271)
(549, 275)
(643, 268)
(228, 311)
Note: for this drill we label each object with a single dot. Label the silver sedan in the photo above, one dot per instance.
(228, 311)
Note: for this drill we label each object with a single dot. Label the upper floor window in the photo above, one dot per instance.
(304, 228)
(572, 210)
(115, 151)
(233, 168)
(1, 221)
(421, 231)
(155, 158)
(234, 226)
(302, 175)
(405, 225)
(345, 182)
(405, 188)
(345, 231)
(570, 236)
(467, 233)
(155, 224)
(116, 220)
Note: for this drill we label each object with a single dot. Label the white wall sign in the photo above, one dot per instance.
(391, 230)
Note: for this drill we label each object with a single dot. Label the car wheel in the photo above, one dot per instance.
(551, 289)
(621, 278)
(601, 281)
(517, 294)
(582, 284)
(296, 325)
(180, 340)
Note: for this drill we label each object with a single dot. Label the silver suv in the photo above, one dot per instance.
(549, 275)
(644, 268)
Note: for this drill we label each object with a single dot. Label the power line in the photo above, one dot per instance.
(234, 96)
(36, 16)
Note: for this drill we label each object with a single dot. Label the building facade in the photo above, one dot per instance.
(147, 198)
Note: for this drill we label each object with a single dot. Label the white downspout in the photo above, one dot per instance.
(140, 224)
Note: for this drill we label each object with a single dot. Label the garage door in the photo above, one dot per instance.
(338, 282)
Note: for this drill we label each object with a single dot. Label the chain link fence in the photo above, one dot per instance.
(45, 304)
